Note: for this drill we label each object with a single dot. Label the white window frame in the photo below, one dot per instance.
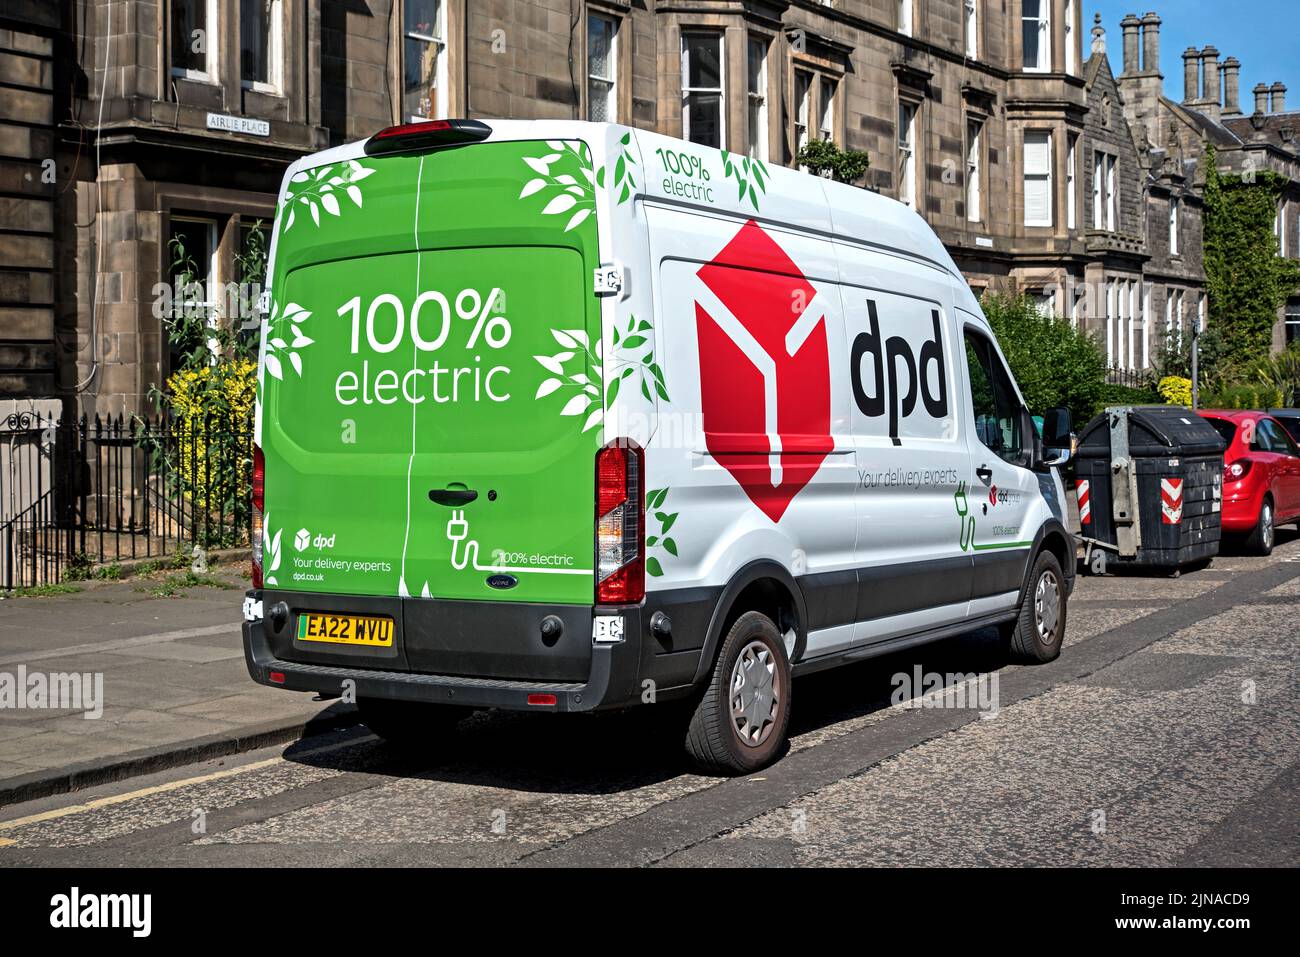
(906, 17)
(1112, 193)
(212, 301)
(1071, 167)
(905, 133)
(1068, 25)
(611, 58)
(1044, 20)
(974, 169)
(971, 28)
(1174, 203)
(208, 75)
(1110, 322)
(1105, 203)
(1146, 325)
(1046, 177)
(802, 109)
(826, 106)
(275, 55)
(717, 37)
(756, 117)
(440, 79)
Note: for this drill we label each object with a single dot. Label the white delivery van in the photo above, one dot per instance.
(566, 416)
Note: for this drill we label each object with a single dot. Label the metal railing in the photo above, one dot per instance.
(99, 491)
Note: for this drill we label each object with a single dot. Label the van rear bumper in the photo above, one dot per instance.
(608, 684)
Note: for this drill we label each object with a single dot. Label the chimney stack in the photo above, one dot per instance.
(1131, 26)
(1278, 104)
(1150, 43)
(1231, 93)
(1261, 99)
(1191, 75)
(1210, 92)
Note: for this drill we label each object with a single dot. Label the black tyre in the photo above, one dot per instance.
(740, 723)
(1036, 634)
(411, 725)
(1260, 540)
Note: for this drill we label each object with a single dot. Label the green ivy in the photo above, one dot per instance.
(1246, 279)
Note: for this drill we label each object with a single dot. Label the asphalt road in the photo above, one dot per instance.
(1168, 733)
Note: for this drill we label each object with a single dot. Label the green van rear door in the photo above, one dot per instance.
(430, 393)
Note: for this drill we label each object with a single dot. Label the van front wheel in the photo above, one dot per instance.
(740, 723)
(411, 725)
(1038, 630)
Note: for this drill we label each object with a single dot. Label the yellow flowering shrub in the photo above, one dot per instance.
(212, 415)
(1175, 390)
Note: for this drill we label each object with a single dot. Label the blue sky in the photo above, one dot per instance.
(1262, 34)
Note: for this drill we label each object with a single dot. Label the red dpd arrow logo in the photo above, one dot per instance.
(764, 371)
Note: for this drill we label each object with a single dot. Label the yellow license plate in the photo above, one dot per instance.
(346, 629)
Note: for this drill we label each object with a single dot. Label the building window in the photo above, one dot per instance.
(602, 69)
(1071, 197)
(194, 39)
(1069, 36)
(1173, 225)
(193, 263)
(1038, 178)
(1104, 202)
(703, 93)
(905, 17)
(424, 32)
(907, 153)
(826, 108)
(972, 28)
(261, 44)
(1036, 36)
(1292, 316)
(802, 108)
(757, 133)
(974, 163)
(1146, 325)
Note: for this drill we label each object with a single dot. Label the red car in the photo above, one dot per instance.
(1261, 476)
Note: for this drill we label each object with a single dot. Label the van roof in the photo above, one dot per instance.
(860, 215)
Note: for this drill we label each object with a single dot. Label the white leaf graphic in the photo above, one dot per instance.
(297, 362)
(288, 223)
(273, 366)
(579, 335)
(300, 178)
(550, 364)
(541, 164)
(424, 592)
(580, 378)
(555, 144)
(560, 204)
(277, 343)
(590, 174)
(291, 312)
(564, 339)
(331, 203)
(360, 172)
(575, 190)
(592, 420)
(547, 387)
(532, 186)
(577, 219)
(588, 388)
(315, 213)
(322, 173)
(565, 179)
(577, 405)
(354, 192)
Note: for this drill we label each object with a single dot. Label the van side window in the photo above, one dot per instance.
(993, 400)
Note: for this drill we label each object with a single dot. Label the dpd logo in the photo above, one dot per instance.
(764, 370)
(886, 355)
(303, 540)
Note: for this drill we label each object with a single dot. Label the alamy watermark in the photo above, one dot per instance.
(55, 690)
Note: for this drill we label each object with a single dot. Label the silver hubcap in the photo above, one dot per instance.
(1266, 525)
(755, 694)
(1047, 607)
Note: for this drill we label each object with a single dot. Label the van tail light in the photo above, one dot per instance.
(620, 524)
(426, 135)
(259, 505)
(1237, 470)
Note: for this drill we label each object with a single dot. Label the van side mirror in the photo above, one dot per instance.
(1058, 442)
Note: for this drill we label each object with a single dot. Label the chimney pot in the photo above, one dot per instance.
(1210, 92)
(1132, 27)
(1231, 92)
(1278, 104)
(1191, 74)
(1261, 98)
(1150, 43)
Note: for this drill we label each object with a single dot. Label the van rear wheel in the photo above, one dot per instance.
(740, 723)
(1038, 630)
(411, 725)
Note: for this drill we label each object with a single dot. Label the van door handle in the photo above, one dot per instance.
(984, 472)
(452, 496)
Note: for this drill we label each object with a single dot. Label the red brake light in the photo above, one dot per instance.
(1237, 470)
(620, 524)
(427, 134)
(541, 699)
